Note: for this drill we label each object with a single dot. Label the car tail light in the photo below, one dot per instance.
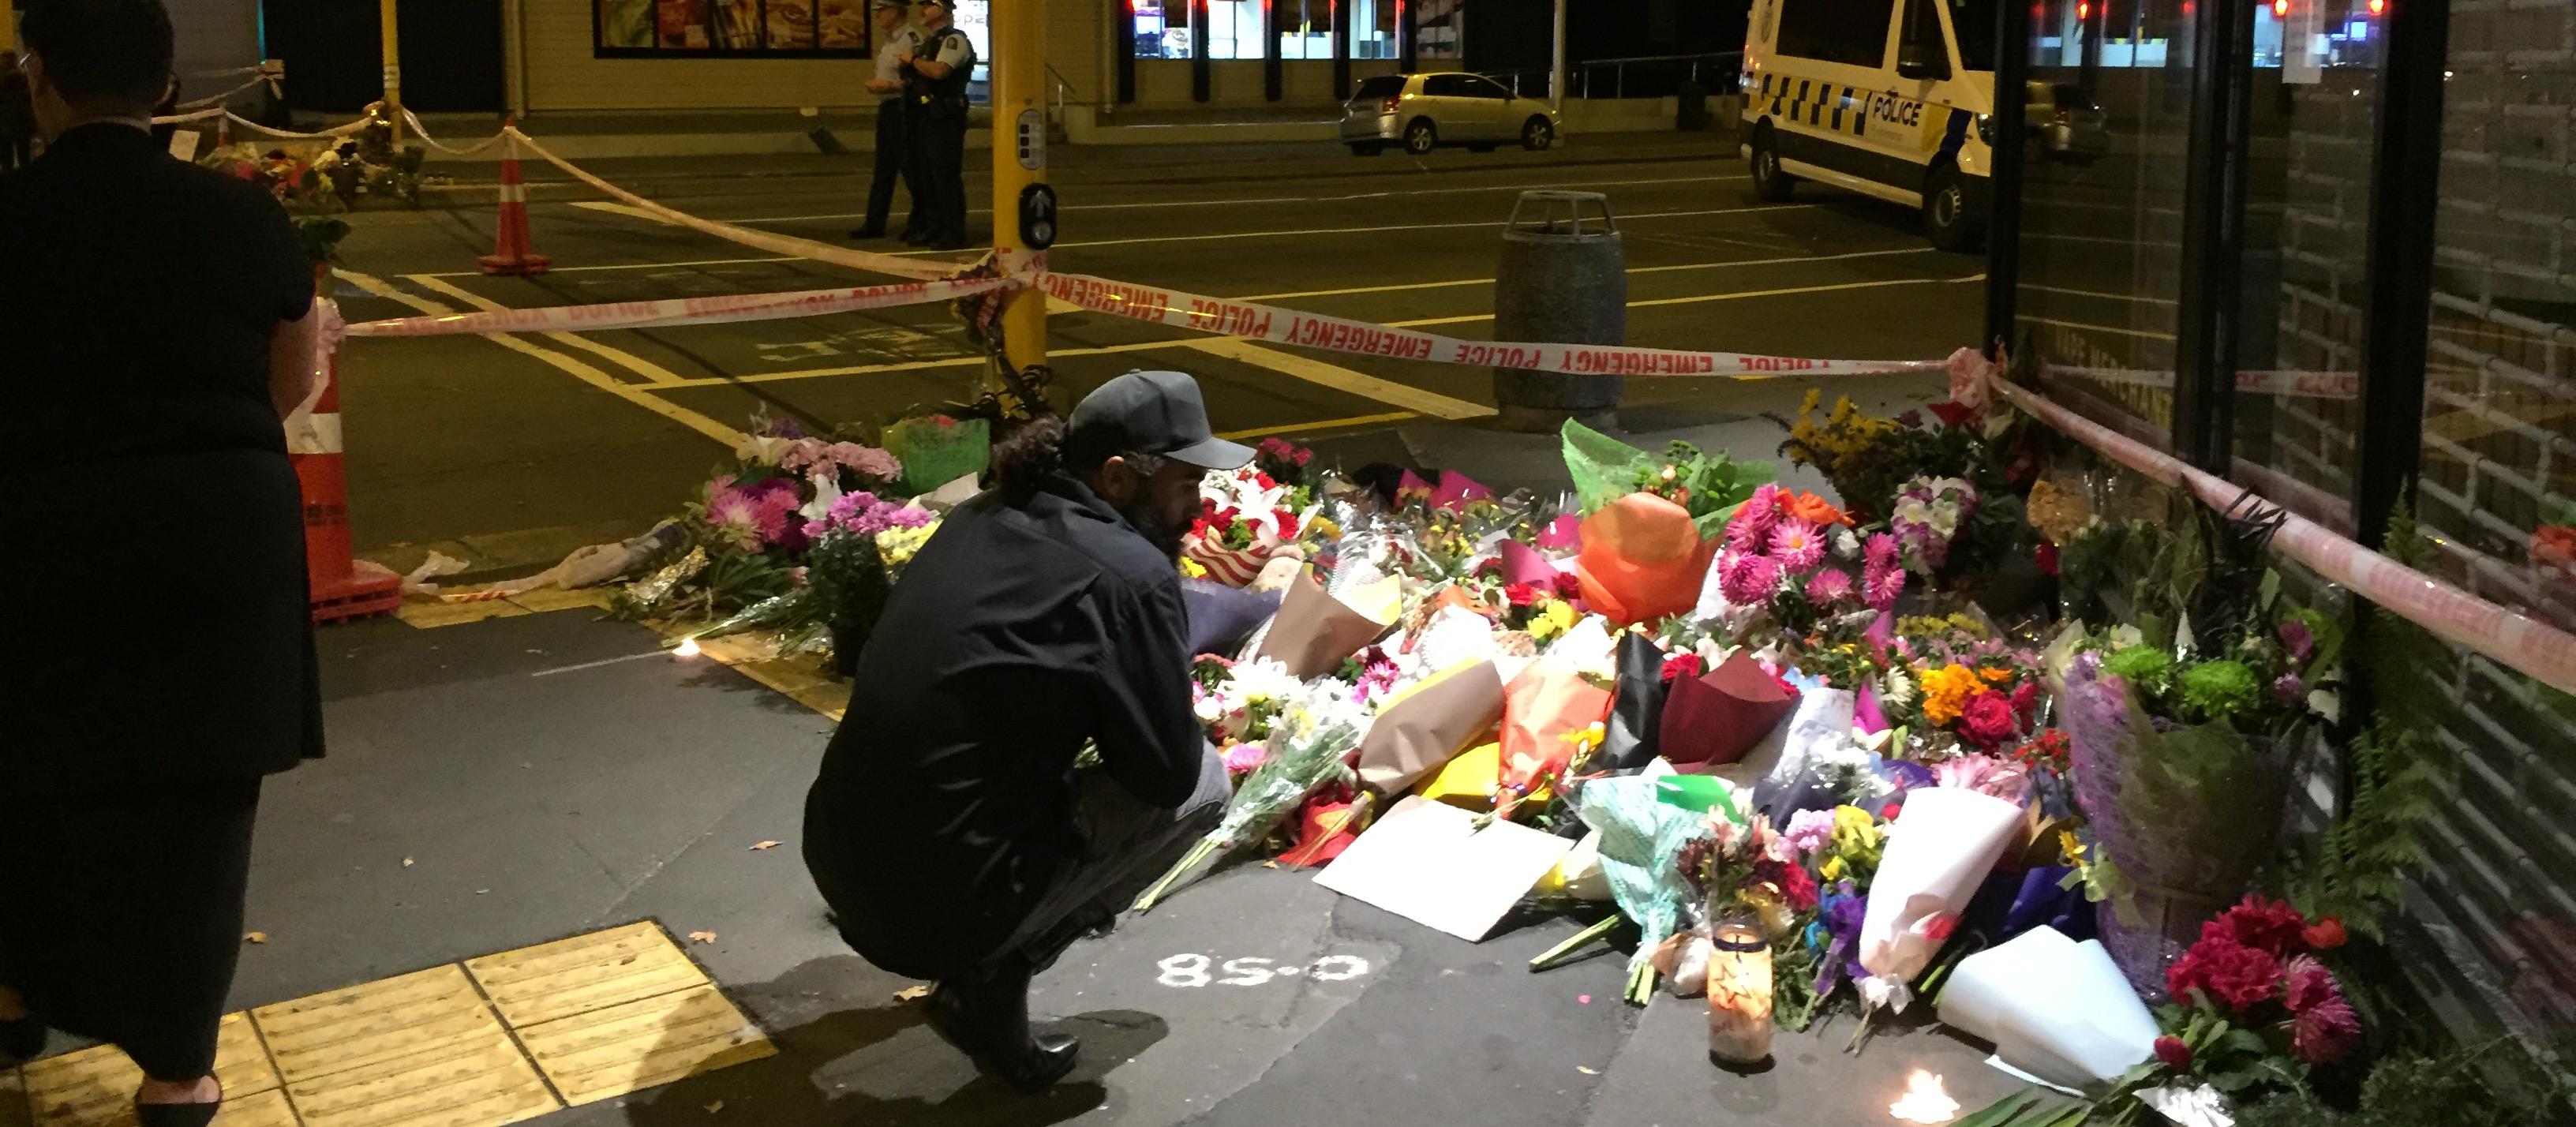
(1388, 106)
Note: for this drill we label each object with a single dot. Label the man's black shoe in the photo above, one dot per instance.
(988, 1016)
(919, 239)
(948, 242)
(868, 233)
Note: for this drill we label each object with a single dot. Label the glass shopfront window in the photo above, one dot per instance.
(729, 28)
(1162, 29)
(1373, 28)
(1305, 29)
(1234, 29)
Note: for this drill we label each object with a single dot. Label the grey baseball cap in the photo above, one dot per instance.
(1158, 413)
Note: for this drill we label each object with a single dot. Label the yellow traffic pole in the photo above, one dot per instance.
(393, 66)
(1019, 160)
(8, 29)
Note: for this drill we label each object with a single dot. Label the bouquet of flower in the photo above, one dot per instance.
(1308, 746)
(1959, 689)
(1930, 514)
(1237, 700)
(1245, 517)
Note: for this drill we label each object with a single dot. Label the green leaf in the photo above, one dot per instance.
(2235, 1080)
(2245, 1041)
(2002, 1112)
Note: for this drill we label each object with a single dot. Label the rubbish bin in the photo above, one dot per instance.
(1693, 117)
(1563, 280)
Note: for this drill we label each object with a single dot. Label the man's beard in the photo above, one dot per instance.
(1162, 534)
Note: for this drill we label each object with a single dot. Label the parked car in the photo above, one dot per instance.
(2069, 125)
(1422, 112)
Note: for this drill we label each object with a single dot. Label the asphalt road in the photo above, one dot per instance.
(510, 452)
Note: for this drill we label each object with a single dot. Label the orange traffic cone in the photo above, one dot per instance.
(340, 585)
(513, 254)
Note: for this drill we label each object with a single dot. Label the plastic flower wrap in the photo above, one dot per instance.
(1307, 745)
(1939, 849)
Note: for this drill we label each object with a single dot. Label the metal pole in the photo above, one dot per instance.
(1019, 160)
(2404, 198)
(8, 27)
(1556, 63)
(2213, 237)
(2003, 215)
(393, 66)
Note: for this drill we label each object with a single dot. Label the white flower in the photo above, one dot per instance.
(1263, 680)
(1945, 520)
(2123, 637)
(765, 451)
(827, 489)
(1913, 511)
(1899, 689)
(1846, 543)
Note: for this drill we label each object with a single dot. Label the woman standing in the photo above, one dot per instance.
(157, 321)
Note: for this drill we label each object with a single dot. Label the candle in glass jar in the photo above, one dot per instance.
(1739, 989)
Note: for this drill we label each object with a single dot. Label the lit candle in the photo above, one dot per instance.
(688, 648)
(1739, 989)
(1924, 1101)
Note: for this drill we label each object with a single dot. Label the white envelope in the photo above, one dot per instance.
(1427, 861)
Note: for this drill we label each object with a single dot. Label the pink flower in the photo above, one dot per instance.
(1750, 580)
(866, 461)
(2025, 701)
(1751, 524)
(2232, 975)
(1830, 586)
(1881, 584)
(1797, 544)
(1242, 758)
(755, 515)
(1882, 551)
(2323, 1026)
(1809, 831)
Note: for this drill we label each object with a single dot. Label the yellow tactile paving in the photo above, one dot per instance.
(13, 1099)
(554, 599)
(590, 972)
(420, 1050)
(95, 1087)
(611, 1052)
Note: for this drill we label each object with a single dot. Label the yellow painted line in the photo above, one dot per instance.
(1340, 378)
(2101, 328)
(534, 985)
(653, 373)
(1732, 295)
(574, 368)
(622, 209)
(1632, 270)
(611, 1052)
(1327, 424)
(644, 265)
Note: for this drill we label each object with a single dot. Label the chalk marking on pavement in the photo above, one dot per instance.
(600, 664)
(653, 373)
(569, 366)
(1322, 424)
(1151, 204)
(1701, 298)
(2101, 328)
(1339, 378)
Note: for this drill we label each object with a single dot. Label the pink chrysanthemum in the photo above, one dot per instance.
(1883, 551)
(1797, 544)
(1830, 586)
(1752, 579)
(2323, 1026)
(757, 515)
(1751, 526)
(1881, 585)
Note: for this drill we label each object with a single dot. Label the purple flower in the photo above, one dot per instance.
(1809, 831)
(1911, 419)
(862, 514)
(1751, 525)
(2294, 634)
(2288, 689)
(784, 427)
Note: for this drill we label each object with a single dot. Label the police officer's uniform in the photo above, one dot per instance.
(937, 128)
(894, 152)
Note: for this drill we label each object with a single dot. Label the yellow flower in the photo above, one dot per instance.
(1556, 619)
(1190, 569)
(1832, 869)
(2069, 849)
(1946, 691)
(1856, 835)
(1324, 529)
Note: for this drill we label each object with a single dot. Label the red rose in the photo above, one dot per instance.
(2269, 926)
(2171, 1050)
(1988, 720)
(1797, 889)
(2025, 701)
(1520, 594)
(1263, 480)
(2046, 557)
(2326, 934)
(2229, 973)
(1287, 524)
(1681, 665)
(1568, 585)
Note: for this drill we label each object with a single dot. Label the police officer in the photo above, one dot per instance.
(894, 153)
(934, 85)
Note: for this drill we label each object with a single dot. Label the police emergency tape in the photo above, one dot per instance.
(422, 132)
(2311, 385)
(2518, 641)
(758, 240)
(1361, 338)
(679, 311)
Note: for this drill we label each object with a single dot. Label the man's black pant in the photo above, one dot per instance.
(894, 161)
(939, 148)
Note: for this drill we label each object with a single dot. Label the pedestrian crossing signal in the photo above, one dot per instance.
(1037, 217)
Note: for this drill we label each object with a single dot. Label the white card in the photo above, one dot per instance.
(1427, 861)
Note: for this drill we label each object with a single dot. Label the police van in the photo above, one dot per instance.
(1889, 98)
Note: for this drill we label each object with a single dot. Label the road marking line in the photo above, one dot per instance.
(1326, 424)
(600, 664)
(1701, 298)
(1340, 378)
(622, 209)
(632, 266)
(2097, 293)
(569, 366)
(1309, 232)
(2101, 328)
(1147, 205)
(653, 373)
(1631, 270)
